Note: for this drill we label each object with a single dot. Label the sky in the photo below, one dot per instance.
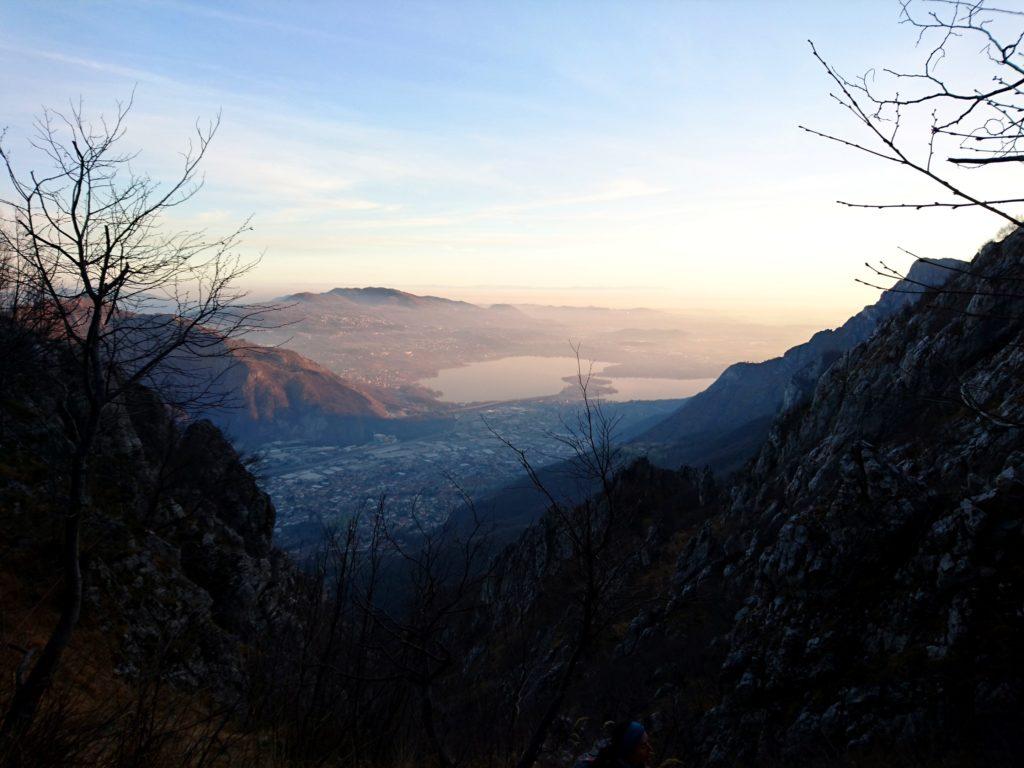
(612, 153)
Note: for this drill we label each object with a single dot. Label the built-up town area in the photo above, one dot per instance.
(314, 486)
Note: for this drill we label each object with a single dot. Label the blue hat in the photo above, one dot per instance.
(631, 738)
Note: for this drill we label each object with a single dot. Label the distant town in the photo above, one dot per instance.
(316, 486)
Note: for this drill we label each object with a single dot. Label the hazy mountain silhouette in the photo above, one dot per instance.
(725, 424)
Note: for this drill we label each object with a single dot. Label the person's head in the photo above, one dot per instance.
(629, 744)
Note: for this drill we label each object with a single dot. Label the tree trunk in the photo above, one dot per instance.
(27, 696)
(427, 711)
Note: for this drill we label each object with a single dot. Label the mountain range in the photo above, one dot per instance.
(393, 339)
(849, 596)
(724, 425)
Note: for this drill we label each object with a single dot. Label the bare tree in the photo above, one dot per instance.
(930, 122)
(368, 668)
(127, 298)
(595, 565)
(963, 109)
(23, 322)
(441, 573)
(959, 114)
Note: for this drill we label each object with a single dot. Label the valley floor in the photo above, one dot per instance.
(314, 485)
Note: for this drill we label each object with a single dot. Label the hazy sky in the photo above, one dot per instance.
(641, 153)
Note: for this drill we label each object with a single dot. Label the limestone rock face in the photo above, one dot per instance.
(213, 483)
(853, 595)
(880, 530)
(179, 568)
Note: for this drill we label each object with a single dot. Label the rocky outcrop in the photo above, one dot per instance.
(873, 550)
(871, 553)
(179, 569)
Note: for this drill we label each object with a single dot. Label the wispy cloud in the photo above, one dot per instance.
(246, 19)
(523, 142)
(130, 73)
(620, 189)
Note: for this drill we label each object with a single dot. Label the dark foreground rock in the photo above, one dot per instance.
(179, 568)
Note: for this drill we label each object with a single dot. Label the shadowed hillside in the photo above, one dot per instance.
(851, 598)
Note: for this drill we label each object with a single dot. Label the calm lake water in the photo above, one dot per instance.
(516, 378)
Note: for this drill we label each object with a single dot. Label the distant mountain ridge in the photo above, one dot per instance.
(725, 424)
(374, 296)
(394, 297)
(393, 339)
(265, 393)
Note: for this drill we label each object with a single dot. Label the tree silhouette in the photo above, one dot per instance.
(127, 300)
(964, 108)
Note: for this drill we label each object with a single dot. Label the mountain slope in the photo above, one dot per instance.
(726, 423)
(276, 394)
(178, 568)
(854, 597)
(875, 545)
(377, 297)
(261, 394)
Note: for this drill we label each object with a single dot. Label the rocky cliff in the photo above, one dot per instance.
(853, 597)
(179, 569)
(873, 549)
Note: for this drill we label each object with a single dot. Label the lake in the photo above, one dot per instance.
(518, 378)
(630, 388)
